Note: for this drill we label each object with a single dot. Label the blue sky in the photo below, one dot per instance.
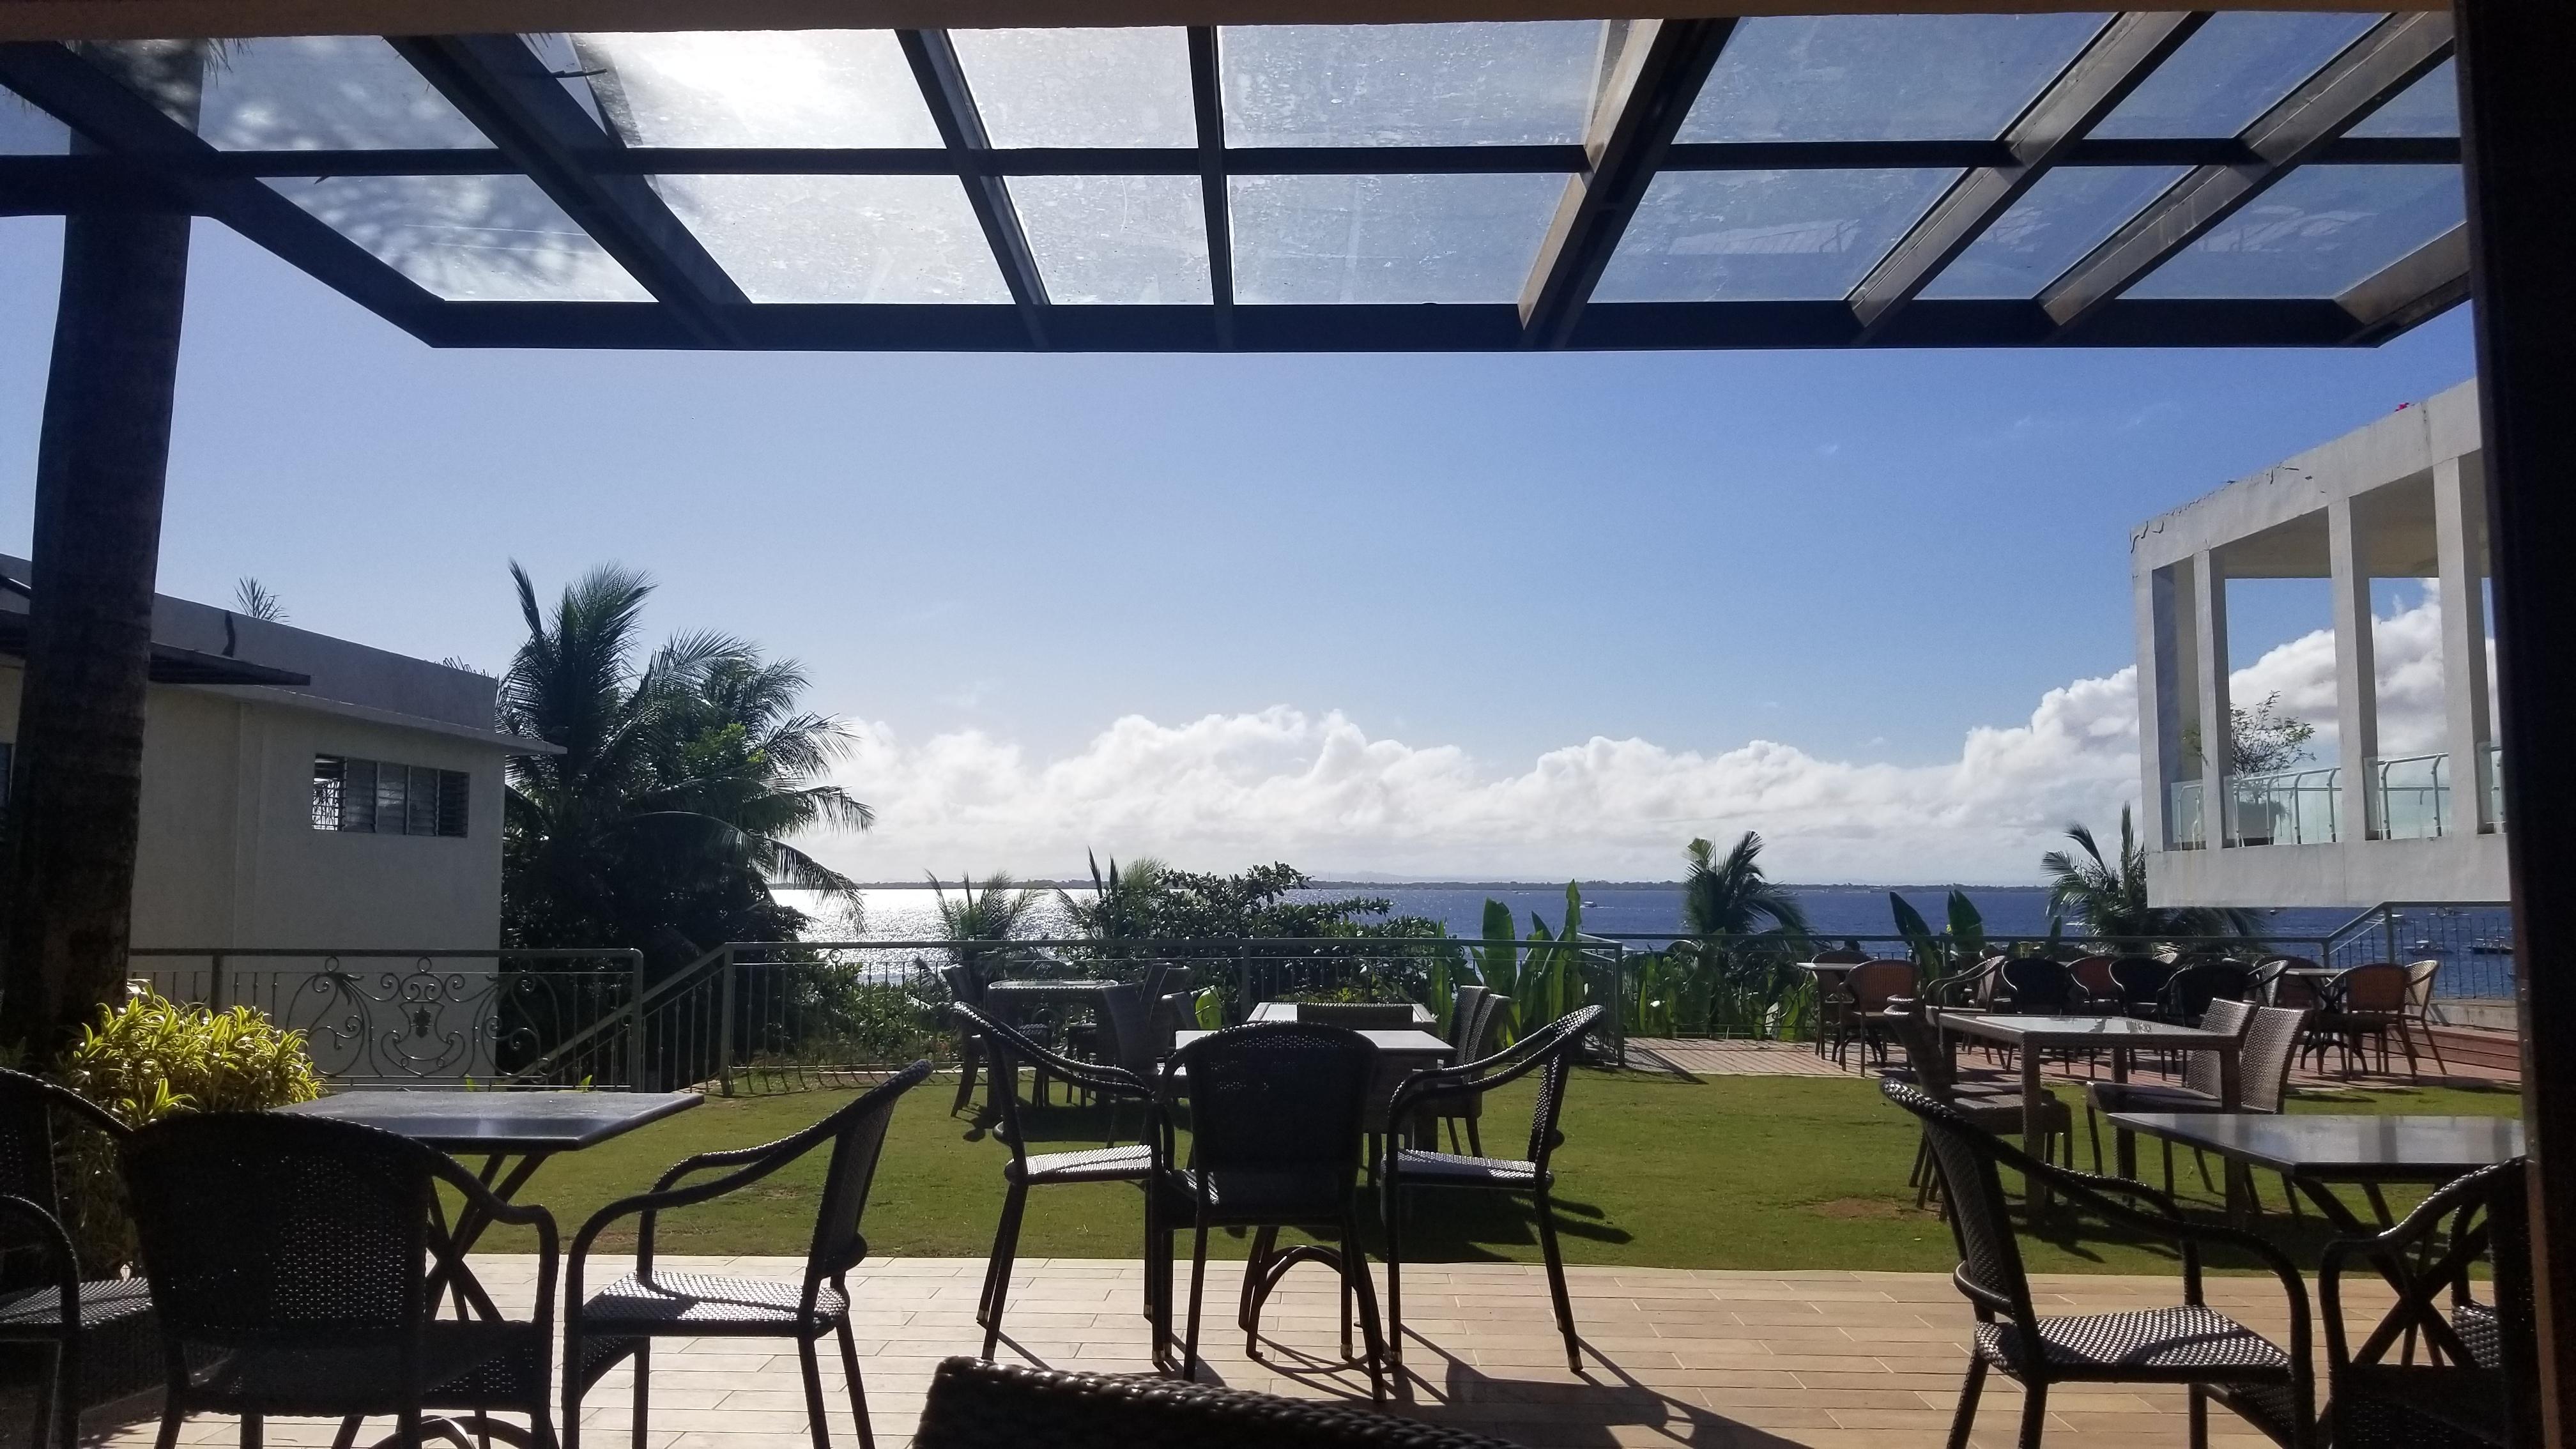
(1862, 556)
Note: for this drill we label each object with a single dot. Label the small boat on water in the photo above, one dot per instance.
(2491, 946)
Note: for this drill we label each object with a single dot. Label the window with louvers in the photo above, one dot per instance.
(378, 797)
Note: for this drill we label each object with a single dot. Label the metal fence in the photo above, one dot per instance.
(393, 1018)
(2472, 940)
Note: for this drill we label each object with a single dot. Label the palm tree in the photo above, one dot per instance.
(668, 810)
(1725, 898)
(1122, 904)
(2111, 900)
(1000, 913)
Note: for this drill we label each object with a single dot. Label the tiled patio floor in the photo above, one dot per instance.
(1709, 1360)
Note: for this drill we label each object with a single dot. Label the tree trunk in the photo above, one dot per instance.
(100, 463)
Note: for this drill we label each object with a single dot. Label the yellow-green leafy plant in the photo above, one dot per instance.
(152, 1057)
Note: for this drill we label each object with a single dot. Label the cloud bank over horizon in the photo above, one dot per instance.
(1319, 791)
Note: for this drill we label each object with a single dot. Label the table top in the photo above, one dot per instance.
(2342, 1148)
(2085, 1030)
(502, 1121)
(1287, 1011)
(1047, 986)
(1400, 1043)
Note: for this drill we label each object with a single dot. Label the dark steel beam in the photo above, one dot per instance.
(92, 103)
(2121, 56)
(1659, 72)
(2415, 288)
(508, 92)
(961, 130)
(1207, 108)
(2392, 56)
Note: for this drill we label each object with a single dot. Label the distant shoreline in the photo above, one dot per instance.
(1512, 885)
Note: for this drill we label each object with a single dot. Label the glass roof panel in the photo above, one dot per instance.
(758, 88)
(2232, 70)
(1080, 87)
(1882, 77)
(2430, 107)
(1388, 238)
(1500, 83)
(2316, 232)
(2066, 214)
(325, 92)
(840, 238)
(468, 238)
(26, 131)
(1116, 238)
(1763, 235)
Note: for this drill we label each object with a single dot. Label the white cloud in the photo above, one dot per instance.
(1318, 790)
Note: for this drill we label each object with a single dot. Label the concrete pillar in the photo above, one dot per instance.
(2165, 692)
(2460, 548)
(2209, 659)
(2356, 676)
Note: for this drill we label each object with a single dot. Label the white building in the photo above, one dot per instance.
(2403, 498)
(301, 791)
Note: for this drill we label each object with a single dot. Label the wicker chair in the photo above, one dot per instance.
(1479, 1036)
(1277, 1111)
(2366, 1003)
(2216, 1357)
(2141, 980)
(1828, 998)
(1867, 992)
(2421, 978)
(99, 1331)
(2188, 993)
(294, 1270)
(2093, 973)
(2477, 1382)
(1006, 1406)
(625, 1317)
(2270, 1038)
(1994, 1107)
(1048, 1169)
(1549, 1052)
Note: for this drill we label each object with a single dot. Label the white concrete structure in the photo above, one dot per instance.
(2402, 498)
(245, 842)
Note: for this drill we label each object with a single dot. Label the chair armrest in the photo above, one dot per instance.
(2425, 1219)
(526, 1215)
(1508, 1065)
(57, 1243)
(761, 1162)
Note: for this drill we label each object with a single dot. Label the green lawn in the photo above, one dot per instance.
(1725, 1172)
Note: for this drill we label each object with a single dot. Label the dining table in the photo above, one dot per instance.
(1287, 1011)
(2120, 1036)
(2317, 1151)
(513, 1131)
(1399, 1055)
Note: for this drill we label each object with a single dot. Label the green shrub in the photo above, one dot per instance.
(142, 1062)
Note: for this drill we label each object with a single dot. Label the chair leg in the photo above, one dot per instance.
(997, 1272)
(2034, 1412)
(2198, 1431)
(1556, 1280)
(1256, 1263)
(1964, 1421)
(2093, 1126)
(815, 1424)
(1475, 1144)
(254, 1428)
(1355, 1283)
(858, 1386)
(1394, 1213)
(1198, 1282)
(643, 1392)
(2434, 1042)
(172, 1416)
(966, 1062)
(2201, 1160)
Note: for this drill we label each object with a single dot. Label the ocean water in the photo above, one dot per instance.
(911, 913)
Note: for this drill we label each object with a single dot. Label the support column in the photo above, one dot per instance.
(2516, 111)
(2460, 551)
(2356, 677)
(2165, 692)
(2209, 656)
(101, 458)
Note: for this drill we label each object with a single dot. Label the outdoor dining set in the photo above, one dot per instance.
(2451, 1362)
(313, 1260)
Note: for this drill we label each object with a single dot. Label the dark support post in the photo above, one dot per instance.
(101, 459)
(2517, 112)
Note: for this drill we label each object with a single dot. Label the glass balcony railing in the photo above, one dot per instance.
(2183, 825)
(2495, 784)
(2414, 796)
(2287, 807)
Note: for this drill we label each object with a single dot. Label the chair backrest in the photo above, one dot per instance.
(857, 1134)
(1990, 1270)
(978, 1405)
(2263, 1063)
(963, 985)
(1012, 1049)
(273, 1229)
(2206, 1071)
(1127, 1030)
(1463, 1009)
(1358, 1015)
(2040, 985)
(2141, 979)
(2377, 988)
(2189, 992)
(1278, 1097)
(2094, 972)
(1554, 1045)
(2279, 988)
(2420, 978)
(29, 1111)
(1873, 984)
(1923, 1053)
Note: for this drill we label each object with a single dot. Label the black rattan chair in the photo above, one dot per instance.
(2466, 1372)
(2190, 1344)
(2041, 987)
(1548, 1051)
(99, 1332)
(2189, 992)
(1478, 1034)
(976, 1405)
(1988, 1106)
(2141, 980)
(2269, 1038)
(1277, 1111)
(294, 1268)
(1008, 1049)
(625, 1317)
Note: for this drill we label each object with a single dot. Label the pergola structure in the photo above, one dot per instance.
(1238, 174)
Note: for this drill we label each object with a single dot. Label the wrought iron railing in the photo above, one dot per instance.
(391, 1018)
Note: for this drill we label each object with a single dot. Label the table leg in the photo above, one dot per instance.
(2034, 1126)
(2124, 1143)
(2240, 1178)
(450, 1243)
